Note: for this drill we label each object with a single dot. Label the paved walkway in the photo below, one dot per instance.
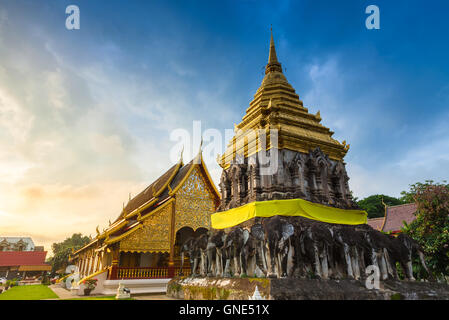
(66, 294)
(61, 292)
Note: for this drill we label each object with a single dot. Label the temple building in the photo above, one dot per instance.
(308, 161)
(18, 244)
(305, 175)
(143, 242)
(280, 152)
(394, 218)
(19, 257)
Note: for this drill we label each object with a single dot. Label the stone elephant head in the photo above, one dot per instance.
(214, 251)
(233, 245)
(278, 233)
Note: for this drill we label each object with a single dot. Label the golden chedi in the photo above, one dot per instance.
(281, 151)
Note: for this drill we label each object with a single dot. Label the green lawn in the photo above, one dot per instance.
(31, 292)
(99, 298)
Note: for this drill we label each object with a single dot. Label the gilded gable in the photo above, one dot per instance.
(194, 203)
(153, 236)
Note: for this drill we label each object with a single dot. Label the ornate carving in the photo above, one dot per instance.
(153, 236)
(194, 203)
(311, 176)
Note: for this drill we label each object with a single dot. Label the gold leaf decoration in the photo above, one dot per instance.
(194, 203)
(154, 236)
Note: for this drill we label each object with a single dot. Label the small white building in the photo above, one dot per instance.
(17, 244)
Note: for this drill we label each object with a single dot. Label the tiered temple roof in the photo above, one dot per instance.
(151, 198)
(394, 218)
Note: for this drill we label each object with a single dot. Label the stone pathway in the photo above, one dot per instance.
(66, 294)
(61, 292)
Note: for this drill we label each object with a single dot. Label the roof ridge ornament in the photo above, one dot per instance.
(182, 152)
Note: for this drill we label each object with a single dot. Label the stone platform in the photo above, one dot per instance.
(302, 289)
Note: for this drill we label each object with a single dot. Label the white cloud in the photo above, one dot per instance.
(358, 117)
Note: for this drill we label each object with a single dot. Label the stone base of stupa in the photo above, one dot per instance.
(301, 289)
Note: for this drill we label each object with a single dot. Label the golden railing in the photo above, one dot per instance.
(150, 273)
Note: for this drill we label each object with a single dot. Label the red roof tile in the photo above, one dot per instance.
(397, 215)
(376, 223)
(22, 258)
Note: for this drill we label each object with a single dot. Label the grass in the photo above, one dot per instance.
(30, 292)
(99, 298)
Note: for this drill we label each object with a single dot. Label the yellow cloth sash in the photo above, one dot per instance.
(293, 207)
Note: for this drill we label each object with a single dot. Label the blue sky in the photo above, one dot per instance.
(86, 115)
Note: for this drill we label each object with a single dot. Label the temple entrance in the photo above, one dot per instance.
(182, 235)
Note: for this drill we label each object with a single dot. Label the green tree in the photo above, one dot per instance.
(62, 250)
(431, 227)
(374, 207)
(409, 196)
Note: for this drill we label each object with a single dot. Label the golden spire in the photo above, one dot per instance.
(272, 58)
(273, 63)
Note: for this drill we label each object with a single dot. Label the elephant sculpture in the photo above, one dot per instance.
(257, 235)
(380, 252)
(189, 248)
(233, 246)
(299, 247)
(352, 246)
(214, 250)
(278, 233)
(196, 250)
(317, 246)
(253, 254)
(408, 247)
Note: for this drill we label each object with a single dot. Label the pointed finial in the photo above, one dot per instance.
(199, 156)
(272, 58)
(129, 199)
(182, 152)
(201, 146)
(273, 63)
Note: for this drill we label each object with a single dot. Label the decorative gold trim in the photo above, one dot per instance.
(141, 208)
(146, 251)
(217, 193)
(112, 229)
(92, 275)
(385, 215)
(195, 163)
(156, 210)
(169, 180)
(86, 246)
(120, 237)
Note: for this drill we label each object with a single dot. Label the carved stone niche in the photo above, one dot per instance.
(285, 174)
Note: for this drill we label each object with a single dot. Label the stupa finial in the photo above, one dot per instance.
(273, 63)
(272, 58)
